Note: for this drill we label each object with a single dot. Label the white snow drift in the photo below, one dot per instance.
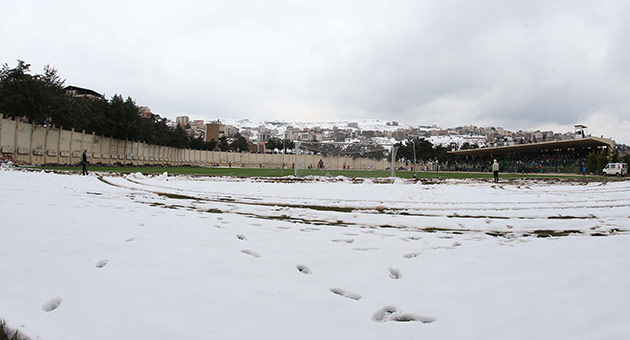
(141, 257)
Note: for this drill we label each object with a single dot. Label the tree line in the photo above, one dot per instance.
(42, 99)
(595, 162)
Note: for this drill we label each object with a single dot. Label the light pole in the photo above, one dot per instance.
(393, 166)
(415, 164)
(284, 150)
(295, 151)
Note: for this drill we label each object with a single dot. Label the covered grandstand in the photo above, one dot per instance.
(567, 156)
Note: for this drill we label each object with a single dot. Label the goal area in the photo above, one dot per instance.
(325, 157)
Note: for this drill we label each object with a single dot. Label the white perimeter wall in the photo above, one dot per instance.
(32, 144)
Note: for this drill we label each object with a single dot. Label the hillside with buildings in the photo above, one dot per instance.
(49, 102)
(368, 131)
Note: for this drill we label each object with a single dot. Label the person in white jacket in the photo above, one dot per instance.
(495, 171)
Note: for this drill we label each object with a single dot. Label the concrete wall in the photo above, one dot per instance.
(38, 145)
(32, 144)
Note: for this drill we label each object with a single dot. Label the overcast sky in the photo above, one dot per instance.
(515, 64)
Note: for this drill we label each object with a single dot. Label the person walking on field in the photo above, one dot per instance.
(495, 171)
(84, 162)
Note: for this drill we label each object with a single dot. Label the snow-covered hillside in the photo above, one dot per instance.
(362, 125)
(365, 124)
(167, 257)
(458, 140)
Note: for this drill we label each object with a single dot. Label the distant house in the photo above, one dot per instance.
(256, 147)
(214, 130)
(183, 121)
(198, 128)
(79, 92)
(145, 112)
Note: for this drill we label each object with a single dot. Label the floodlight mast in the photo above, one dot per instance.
(393, 166)
(295, 152)
(284, 150)
(415, 163)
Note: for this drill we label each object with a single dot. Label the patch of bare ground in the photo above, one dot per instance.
(7, 333)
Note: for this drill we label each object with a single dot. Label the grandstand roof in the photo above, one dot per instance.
(524, 148)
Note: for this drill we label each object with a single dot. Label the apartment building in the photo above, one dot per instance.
(214, 130)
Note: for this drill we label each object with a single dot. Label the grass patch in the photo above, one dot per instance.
(455, 215)
(387, 226)
(555, 233)
(495, 233)
(320, 208)
(566, 217)
(444, 230)
(176, 196)
(268, 172)
(162, 205)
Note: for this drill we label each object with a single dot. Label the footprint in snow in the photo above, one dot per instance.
(391, 313)
(250, 253)
(348, 241)
(346, 294)
(101, 263)
(412, 255)
(52, 304)
(303, 269)
(130, 239)
(395, 273)
(384, 313)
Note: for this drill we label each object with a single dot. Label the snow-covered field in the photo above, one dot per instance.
(162, 257)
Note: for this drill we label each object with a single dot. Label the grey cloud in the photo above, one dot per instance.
(514, 63)
(547, 66)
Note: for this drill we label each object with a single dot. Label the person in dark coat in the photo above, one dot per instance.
(84, 162)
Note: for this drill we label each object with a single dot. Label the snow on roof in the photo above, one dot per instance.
(364, 124)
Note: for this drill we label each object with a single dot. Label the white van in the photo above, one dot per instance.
(618, 169)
